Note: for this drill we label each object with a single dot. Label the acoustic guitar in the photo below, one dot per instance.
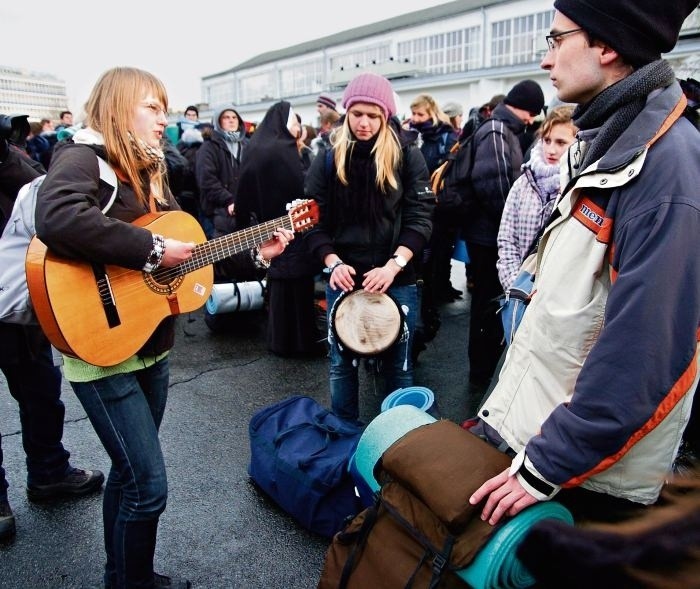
(104, 314)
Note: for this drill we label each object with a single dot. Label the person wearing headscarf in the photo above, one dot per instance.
(272, 177)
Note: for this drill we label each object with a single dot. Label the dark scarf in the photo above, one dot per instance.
(614, 109)
(361, 199)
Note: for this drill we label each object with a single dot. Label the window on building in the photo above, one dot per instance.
(436, 54)
(257, 87)
(454, 51)
(300, 78)
(361, 58)
(517, 40)
(472, 48)
(220, 92)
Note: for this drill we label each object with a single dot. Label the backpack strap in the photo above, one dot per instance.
(108, 175)
(369, 521)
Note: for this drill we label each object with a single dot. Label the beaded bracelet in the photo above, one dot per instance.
(259, 260)
(156, 255)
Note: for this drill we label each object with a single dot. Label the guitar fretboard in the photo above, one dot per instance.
(226, 246)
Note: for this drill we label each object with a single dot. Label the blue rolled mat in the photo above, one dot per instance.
(421, 397)
(380, 433)
(496, 566)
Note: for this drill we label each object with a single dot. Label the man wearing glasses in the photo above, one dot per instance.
(598, 383)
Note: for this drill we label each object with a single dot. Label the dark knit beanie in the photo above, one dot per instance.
(639, 31)
(526, 95)
(326, 100)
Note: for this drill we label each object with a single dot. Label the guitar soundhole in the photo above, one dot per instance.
(163, 281)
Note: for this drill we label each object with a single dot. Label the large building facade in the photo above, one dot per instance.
(31, 93)
(464, 51)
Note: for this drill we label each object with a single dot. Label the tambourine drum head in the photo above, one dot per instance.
(367, 323)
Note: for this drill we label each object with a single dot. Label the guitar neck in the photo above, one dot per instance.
(226, 246)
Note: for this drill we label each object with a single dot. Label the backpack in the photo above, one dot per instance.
(299, 456)
(421, 530)
(15, 303)
(514, 302)
(450, 181)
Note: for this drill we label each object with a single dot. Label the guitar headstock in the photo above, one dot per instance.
(303, 214)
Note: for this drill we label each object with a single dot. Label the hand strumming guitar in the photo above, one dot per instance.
(176, 252)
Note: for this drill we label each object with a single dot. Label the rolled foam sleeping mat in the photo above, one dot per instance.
(229, 297)
(380, 433)
(421, 397)
(496, 565)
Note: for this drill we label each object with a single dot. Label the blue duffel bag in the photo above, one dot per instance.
(299, 453)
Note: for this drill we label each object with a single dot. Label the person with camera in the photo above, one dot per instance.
(27, 363)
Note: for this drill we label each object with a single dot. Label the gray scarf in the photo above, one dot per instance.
(614, 109)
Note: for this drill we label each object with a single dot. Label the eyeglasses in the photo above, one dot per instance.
(554, 40)
(156, 108)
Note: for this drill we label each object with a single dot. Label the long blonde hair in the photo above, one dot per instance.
(433, 109)
(110, 111)
(386, 150)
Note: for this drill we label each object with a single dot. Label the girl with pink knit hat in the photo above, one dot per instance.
(375, 206)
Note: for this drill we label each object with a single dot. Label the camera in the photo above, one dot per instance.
(14, 128)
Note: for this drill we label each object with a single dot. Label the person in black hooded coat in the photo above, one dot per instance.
(271, 177)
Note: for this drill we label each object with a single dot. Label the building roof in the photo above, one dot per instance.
(403, 21)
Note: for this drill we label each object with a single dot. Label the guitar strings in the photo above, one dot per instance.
(207, 253)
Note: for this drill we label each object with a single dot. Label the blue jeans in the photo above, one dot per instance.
(396, 365)
(126, 411)
(35, 383)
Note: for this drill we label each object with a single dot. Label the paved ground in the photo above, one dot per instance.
(217, 530)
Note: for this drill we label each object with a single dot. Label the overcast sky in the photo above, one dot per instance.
(77, 40)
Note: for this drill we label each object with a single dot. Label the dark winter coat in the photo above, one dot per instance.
(69, 221)
(436, 142)
(406, 217)
(218, 173)
(497, 161)
(272, 176)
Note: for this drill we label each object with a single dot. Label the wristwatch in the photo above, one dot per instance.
(400, 260)
(329, 269)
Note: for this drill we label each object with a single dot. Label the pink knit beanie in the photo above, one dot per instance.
(373, 89)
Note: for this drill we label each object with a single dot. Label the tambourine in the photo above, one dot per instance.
(366, 323)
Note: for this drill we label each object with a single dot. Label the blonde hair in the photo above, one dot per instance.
(560, 115)
(110, 111)
(434, 111)
(386, 150)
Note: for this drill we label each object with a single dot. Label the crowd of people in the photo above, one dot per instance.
(601, 185)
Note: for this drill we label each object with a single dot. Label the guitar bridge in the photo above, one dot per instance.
(106, 295)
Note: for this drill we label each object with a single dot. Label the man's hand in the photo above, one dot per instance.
(506, 496)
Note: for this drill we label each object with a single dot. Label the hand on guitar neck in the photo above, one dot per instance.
(275, 246)
(104, 314)
(177, 251)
